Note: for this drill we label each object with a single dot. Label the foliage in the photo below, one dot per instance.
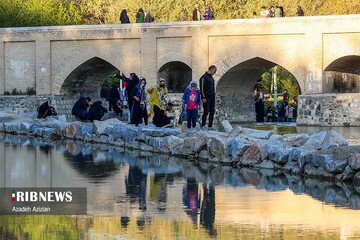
(16, 13)
(29, 91)
(285, 80)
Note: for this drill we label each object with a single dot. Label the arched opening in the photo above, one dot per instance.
(88, 78)
(177, 74)
(235, 89)
(343, 75)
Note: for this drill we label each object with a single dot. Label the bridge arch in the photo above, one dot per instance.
(235, 100)
(177, 74)
(343, 75)
(87, 78)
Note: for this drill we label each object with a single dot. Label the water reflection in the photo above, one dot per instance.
(140, 196)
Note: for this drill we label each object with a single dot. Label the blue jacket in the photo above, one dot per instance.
(186, 97)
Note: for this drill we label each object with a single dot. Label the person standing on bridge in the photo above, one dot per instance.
(300, 11)
(196, 13)
(207, 90)
(264, 13)
(124, 17)
(140, 16)
(209, 15)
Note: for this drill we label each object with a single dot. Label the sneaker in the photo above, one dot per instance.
(204, 129)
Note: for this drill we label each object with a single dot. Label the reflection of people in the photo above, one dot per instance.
(207, 215)
(46, 110)
(136, 186)
(191, 199)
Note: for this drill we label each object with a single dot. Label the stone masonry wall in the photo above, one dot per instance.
(329, 109)
(24, 104)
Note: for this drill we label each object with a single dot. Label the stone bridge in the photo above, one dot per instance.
(74, 60)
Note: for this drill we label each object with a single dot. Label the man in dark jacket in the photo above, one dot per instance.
(80, 108)
(132, 81)
(207, 90)
(96, 111)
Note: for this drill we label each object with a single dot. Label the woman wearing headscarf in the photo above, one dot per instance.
(158, 96)
(124, 17)
(139, 110)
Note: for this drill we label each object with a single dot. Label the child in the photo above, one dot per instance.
(191, 101)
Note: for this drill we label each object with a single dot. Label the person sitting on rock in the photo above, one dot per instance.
(80, 108)
(96, 111)
(160, 118)
(46, 110)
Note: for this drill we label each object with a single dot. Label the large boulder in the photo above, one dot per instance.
(278, 152)
(346, 175)
(201, 142)
(335, 165)
(236, 131)
(354, 161)
(160, 132)
(295, 140)
(320, 172)
(236, 147)
(217, 147)
(259, 134)
(71, 129)
(100, 126)
(225, 126)
(171, 142)
(12, 127)
(325, 139)
(251, 156)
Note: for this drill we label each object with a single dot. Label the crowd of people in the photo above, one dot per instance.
(283, 112)
(208, 14)
(133, 95)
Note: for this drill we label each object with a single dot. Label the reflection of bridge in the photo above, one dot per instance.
(73, 59)
(232, 196)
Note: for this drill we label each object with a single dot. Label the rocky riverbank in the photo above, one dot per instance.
(324, 155)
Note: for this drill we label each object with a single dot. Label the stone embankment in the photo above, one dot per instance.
(324, 155)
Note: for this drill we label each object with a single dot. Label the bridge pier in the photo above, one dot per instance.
(43, 67)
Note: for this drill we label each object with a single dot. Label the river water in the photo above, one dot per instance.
(134, 195)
